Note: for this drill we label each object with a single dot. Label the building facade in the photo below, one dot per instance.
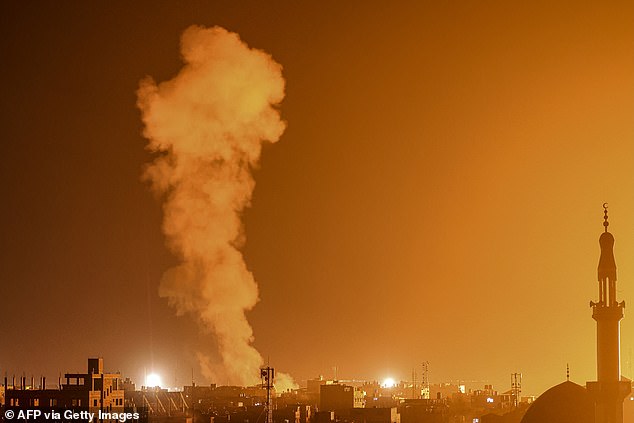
(95, 392)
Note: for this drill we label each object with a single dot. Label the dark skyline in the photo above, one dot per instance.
(435, 196)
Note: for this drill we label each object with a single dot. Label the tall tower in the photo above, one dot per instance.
(608, 391)
(267, 374)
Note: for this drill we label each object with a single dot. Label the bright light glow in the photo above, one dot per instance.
(389, 382)
(489, 399)
(152, 380)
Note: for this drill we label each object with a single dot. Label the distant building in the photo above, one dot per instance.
(313, 387)
(340, 398)
(93, 391)
(297, 413)
(488, 399)
(324, 417)
(375, 415)
(128, 385)
(424, 411)
(205, 403)
(445, 390)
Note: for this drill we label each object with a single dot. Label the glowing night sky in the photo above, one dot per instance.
(436, 195)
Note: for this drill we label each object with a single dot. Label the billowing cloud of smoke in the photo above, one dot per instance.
(207, 126)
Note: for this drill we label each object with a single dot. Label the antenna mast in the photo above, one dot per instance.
(268, 374)
(426, 394)
(516, 388)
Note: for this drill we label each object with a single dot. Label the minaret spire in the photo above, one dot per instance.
(608, 391)
(606, 271)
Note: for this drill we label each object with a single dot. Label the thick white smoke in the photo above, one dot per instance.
(207, 126)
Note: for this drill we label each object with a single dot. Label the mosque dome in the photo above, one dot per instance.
(563, 403)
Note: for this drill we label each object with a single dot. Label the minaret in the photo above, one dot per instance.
(608, 391)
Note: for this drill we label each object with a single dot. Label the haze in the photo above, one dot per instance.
(436, 195)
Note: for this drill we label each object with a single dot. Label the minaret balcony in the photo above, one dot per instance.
(605, 312)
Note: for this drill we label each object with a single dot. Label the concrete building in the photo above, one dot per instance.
(295, 413)
(340, 398)
(424, 411)
(313, 388)
(94, 391)
(324, 417)
(374, 415)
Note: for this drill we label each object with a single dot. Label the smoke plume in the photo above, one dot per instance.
(207, 126)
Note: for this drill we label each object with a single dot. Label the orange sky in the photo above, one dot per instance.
(436, 195)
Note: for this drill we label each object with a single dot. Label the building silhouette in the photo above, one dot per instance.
(93, 392)
(563, 403)
(601, 401)
(609, 391)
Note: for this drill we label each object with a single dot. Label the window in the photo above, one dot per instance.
(94, 403)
